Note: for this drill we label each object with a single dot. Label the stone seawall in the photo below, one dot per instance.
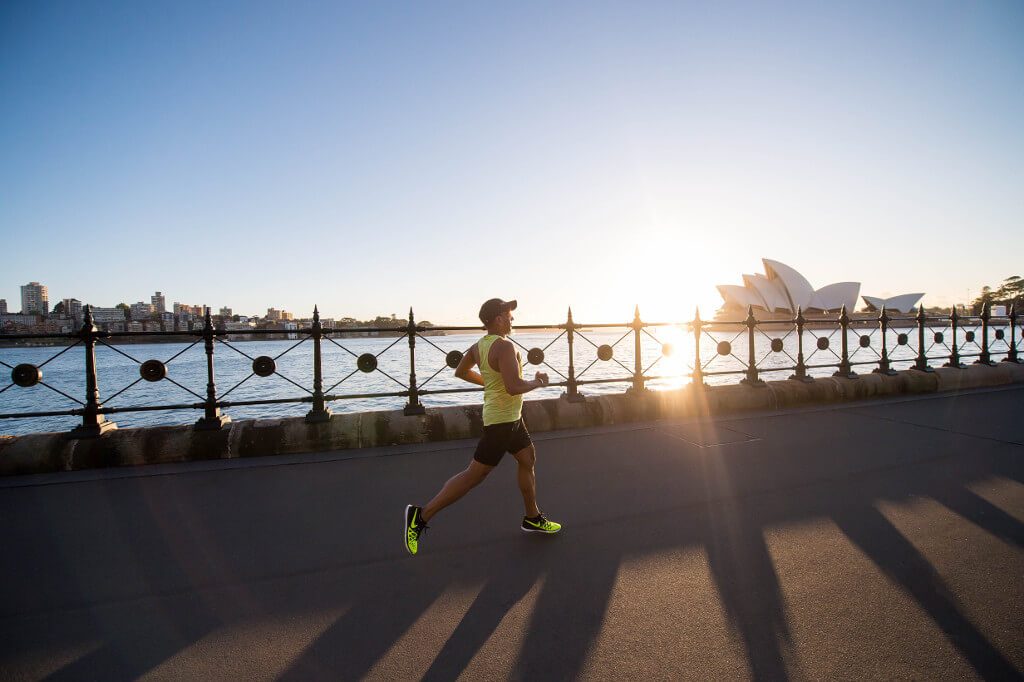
(48, 452)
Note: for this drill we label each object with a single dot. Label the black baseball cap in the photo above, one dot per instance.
(494, 307)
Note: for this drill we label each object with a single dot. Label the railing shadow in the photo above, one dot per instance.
(897, 558)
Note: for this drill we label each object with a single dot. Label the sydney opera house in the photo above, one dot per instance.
(782, 290)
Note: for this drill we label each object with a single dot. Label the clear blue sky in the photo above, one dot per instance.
(375, 156)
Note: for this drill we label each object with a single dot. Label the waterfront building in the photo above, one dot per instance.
(35, 299)
(3, 306)
(783, 289)
(159, 302)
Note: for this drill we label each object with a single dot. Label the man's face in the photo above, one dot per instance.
(503, 322)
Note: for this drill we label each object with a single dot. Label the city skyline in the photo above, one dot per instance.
(599, 156)
(268, 312)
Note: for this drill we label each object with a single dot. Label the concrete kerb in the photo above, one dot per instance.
(49, 452)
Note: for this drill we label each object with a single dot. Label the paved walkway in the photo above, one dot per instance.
(881, 540)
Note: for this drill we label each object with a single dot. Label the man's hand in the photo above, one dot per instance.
(541, 378)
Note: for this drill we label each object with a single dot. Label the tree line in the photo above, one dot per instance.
(1009, 293)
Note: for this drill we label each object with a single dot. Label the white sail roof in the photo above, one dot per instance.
(739, 296)
(797, 287)
(835, 296)
(771, 293)
(904, 303)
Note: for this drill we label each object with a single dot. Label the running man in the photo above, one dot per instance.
(501, 375)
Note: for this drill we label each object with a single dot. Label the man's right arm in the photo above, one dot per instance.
(508, 365)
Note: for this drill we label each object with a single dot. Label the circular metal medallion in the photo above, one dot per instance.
(822, 343)
(969, 336)
(777, 345)
(152, 370)
(901, 339)
(453, 358)
(535, 356)
(26, 375)
(263, 366)
(865, 341)
(604, 352)
(666, 349)
(939, 337)
(999, 334)
(724, 348)
(367, 362)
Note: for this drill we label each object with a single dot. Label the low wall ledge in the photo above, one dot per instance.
(50, 452)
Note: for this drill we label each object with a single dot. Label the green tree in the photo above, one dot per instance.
(1011, 291)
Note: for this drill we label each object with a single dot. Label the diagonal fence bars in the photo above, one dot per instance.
(751, 347)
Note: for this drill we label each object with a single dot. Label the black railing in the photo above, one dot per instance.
(963, 342)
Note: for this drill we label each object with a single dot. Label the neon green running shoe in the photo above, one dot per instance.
(539, 524)
(414, 528)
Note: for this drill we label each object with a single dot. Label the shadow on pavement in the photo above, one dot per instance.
(187, 539)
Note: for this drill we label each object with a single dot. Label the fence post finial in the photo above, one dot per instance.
(751, 379)
(320, 412)
(801, 367)
(212, 418)
(1011, 355)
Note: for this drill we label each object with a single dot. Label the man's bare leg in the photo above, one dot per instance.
(457, 486)
(527, 458)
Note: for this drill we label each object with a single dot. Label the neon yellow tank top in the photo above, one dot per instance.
(499, 405)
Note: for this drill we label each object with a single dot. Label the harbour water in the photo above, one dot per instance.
(120, 384)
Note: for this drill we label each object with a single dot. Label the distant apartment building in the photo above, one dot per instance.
(185, 309)
(273, 314)
(159, 302)
(142, 311)
(225, 312)
(72, 309)
(107, 315)
(13, 322)
(35, 299)
(3, 306)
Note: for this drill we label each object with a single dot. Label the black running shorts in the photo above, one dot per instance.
(501, 438)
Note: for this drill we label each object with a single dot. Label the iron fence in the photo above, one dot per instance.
(862, 342)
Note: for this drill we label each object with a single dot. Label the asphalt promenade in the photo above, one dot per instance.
(877, 540)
